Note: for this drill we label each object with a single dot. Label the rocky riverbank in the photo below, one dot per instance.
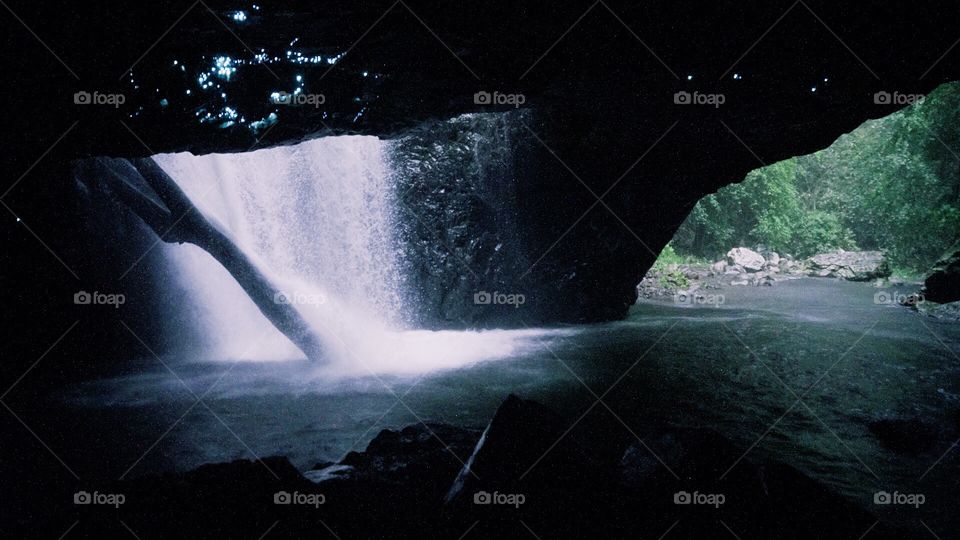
(761, 268)
(938, 296)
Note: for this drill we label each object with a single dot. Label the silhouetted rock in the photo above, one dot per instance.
(415, 454)
(943, 283)
(583, 476)
(520, 447)
(905, 435)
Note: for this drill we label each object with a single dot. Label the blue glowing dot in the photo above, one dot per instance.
(224, 67)
(188, 92)
(175, 62)
(813, 88)
(239, 16)
(364, 73)
(689, 77)
(299, 78)
(825, 79)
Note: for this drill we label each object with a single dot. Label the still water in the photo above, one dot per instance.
(737, 368)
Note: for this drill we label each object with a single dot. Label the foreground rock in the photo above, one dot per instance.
(849, 265)
(565, 477)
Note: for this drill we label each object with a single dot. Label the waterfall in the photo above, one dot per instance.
(318, 219)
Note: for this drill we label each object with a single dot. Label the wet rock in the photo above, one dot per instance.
(328, 472)
(849, 265)
(949, 311)
(749, 260)
(415, 453)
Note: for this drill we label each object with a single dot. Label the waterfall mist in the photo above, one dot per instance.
(320, 220)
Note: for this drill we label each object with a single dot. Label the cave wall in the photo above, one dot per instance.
(599, 85)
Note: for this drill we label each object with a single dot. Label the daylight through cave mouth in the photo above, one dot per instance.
(878, 205)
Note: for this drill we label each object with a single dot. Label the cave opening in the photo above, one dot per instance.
(433, 269)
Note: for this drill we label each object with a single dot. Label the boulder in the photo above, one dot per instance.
(943, 283)
(518, 436)
(849, 265)
(750, 260)
(734, 269)
(718, 267)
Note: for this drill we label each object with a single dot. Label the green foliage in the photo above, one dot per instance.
(892, 184)
(674, 280)
(669, 256)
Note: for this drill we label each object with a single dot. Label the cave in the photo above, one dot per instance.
(427, 269)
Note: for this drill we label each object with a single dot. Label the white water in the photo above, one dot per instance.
(318, 219)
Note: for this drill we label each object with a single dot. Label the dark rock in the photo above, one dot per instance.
(943, 283)
(905, 435)
(597, 480)
(415, 453)
(518, 444)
